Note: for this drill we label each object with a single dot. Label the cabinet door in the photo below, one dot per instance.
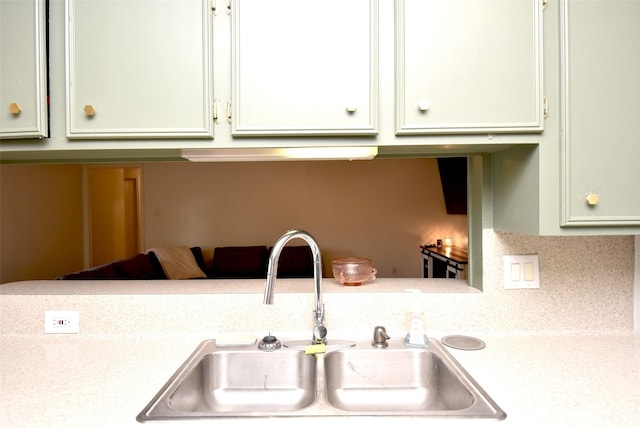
(303, 67)
(139, 68)
(23, 72)
(468, 66)
(601, 88)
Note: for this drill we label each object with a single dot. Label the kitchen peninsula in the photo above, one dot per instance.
(135, 334)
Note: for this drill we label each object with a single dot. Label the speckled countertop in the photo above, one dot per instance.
(548, 381)
(134, 336)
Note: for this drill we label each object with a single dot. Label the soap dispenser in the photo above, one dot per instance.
(416, 337)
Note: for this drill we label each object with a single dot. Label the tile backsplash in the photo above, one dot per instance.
(586, 283)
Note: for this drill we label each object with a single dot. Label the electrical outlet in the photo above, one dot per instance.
(62, 322)
(521, 272)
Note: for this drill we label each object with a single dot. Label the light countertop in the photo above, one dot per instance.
(553, 358)
(541, 381)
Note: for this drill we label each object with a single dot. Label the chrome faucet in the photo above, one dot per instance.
(319, 330)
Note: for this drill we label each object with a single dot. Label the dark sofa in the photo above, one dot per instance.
(237, 262)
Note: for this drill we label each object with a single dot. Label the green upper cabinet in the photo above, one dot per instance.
(601, 89)
(303, 67)
(139, 69)
(583, 177)
(23, 69)
(469, 66)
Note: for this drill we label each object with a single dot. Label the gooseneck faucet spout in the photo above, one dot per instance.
(319, 330)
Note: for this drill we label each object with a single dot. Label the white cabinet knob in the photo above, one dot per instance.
(14, 108)
(89, 110)
(424, 105)
(351, 108)
(593, 199)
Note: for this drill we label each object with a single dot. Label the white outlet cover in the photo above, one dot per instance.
(65, 322)
(527, 269)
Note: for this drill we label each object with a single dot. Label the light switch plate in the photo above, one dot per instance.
(521, 271)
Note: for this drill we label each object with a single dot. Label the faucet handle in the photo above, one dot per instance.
(380, 337)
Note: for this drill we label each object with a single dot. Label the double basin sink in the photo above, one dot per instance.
(348, 379)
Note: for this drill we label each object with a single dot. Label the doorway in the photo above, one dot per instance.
(113, 217)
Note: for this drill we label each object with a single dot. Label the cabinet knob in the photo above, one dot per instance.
(593, 199)
(351, 108)
(14, 108)
(424, 105)
(89, 110)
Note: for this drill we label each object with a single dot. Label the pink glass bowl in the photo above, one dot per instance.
(353, 270)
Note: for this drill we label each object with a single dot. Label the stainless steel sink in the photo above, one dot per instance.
(403, 380)
(348, 380)
(241, 381)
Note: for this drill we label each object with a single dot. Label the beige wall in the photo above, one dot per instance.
(382, 209)
(40, 221)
